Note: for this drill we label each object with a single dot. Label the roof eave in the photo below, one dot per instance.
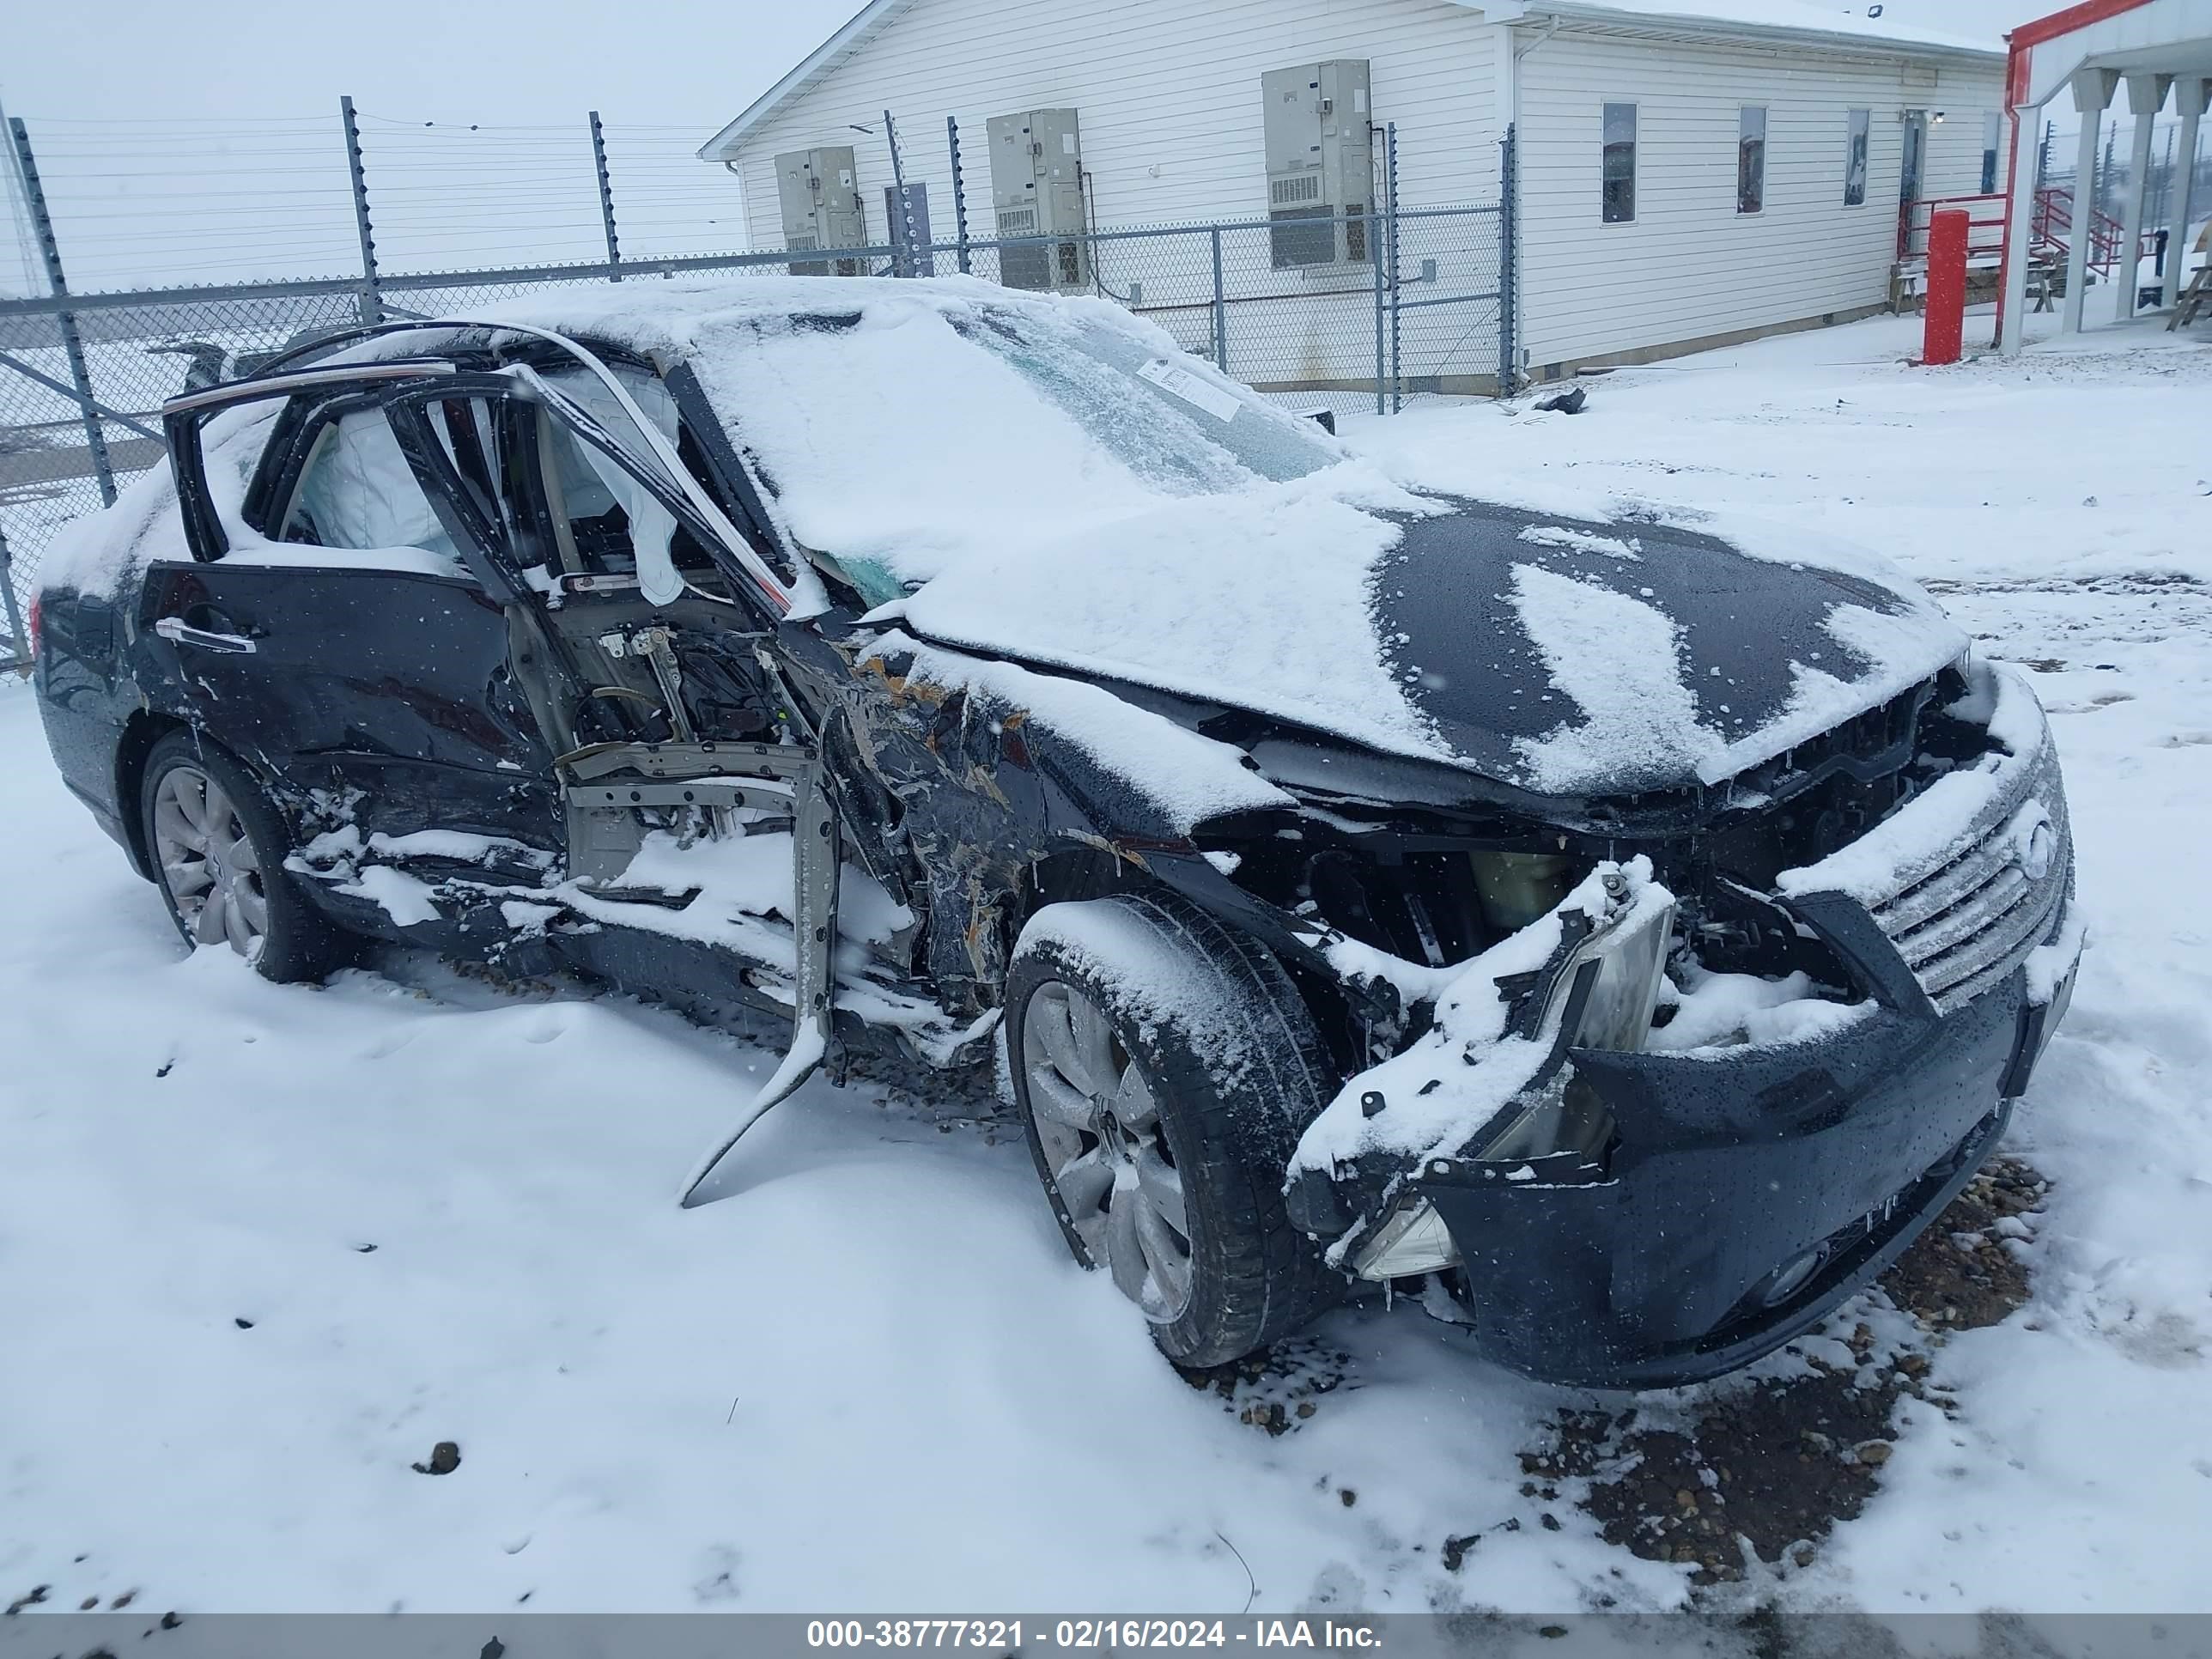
(723, 146)
(1567, 11)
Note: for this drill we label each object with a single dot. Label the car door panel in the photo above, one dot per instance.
(373, 683)
(390, 685)
(396, 691)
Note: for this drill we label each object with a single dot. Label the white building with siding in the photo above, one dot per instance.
(1756, 151)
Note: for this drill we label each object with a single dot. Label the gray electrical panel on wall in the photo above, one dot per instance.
(1036, 188)
(820, 193)
(1319, 162)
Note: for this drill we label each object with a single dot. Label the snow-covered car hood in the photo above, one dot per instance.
(1560, 656)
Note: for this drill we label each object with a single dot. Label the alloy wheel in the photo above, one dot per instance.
(1099, 1125)
(208, 863)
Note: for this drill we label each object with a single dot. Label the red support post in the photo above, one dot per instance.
(1948, 232)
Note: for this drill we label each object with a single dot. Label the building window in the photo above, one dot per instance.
(1751, 158)
(1855, 160)
(1619, 171)
(1992, 137)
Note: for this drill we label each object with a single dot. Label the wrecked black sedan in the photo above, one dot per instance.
(1636, 935)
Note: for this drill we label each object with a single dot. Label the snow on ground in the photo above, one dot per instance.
(872, 1379)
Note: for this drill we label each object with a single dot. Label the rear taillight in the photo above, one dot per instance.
(34, 623)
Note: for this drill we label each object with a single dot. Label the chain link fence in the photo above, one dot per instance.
(1351, 314)
(67, 445)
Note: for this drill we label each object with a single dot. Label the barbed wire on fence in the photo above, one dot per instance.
(143, 204)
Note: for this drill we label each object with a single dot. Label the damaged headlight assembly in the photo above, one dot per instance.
(1602, 996)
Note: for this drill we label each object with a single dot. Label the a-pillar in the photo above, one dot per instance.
(2188, 96)
(2146, 97)
(2092, 95)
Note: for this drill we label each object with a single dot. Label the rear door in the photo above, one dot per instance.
(349, 631)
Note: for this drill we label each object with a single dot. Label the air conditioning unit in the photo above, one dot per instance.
(1036, 189)
(820, 193)
(1319, 162)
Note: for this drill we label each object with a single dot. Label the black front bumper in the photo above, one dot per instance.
(1745, 1196)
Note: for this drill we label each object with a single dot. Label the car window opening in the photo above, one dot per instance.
(601, 513)
(357, 491)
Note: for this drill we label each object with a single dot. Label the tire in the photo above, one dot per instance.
(1228, 1072)
(218, 848)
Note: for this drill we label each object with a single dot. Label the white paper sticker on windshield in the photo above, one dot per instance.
(1181, 383)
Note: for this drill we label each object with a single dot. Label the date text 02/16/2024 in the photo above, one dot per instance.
(1013, 1635)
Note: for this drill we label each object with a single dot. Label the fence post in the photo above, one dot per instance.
(959, 196)
(1390, 176)
(34, 194)
(1220, 309)
(902, 260)
(18, 641)
(371, 297)
(1508, 274)
(1381, 335)
(606, 198)
(2165, 191)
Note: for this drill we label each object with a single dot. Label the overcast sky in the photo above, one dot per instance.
(184, 100)
(644, 60)
(192, 139)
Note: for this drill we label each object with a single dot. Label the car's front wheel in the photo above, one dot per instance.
(218, 849)
(1165, 1068)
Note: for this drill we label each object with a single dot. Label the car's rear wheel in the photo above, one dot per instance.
(218, 849)
(1165, 1068)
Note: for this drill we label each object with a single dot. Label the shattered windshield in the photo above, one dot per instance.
(1165, 416)
(899, 439)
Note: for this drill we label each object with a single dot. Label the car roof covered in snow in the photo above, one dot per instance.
(669, 314)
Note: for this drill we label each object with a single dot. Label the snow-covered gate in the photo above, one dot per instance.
(1426, 309)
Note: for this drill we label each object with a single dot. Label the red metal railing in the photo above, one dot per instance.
(2050, 231)
(1985, 224)
(2054, 224)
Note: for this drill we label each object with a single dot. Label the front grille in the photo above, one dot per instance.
(1964, 925)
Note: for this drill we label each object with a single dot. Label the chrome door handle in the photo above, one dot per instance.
(175, 631)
